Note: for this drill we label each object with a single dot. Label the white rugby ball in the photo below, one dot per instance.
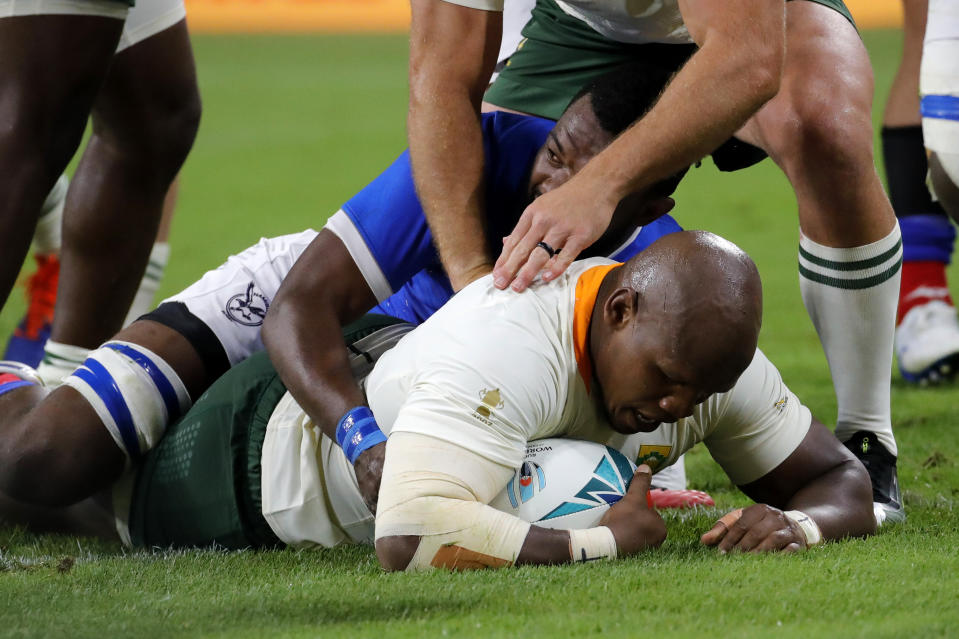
(566, 483)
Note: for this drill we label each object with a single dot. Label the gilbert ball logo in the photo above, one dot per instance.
(525, 483)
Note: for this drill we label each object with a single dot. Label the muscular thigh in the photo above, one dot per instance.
(827, 85)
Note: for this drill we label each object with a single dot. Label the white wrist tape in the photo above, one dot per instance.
(592, 543)
(809, 527)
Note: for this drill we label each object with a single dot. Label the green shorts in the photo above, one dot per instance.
(201, 485)
(560, 54)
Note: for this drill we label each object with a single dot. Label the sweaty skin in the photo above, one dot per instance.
(692, 334)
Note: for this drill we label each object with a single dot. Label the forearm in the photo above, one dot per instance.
(839, 501)
(311, 358)
(452, 53)
(458, 534)
(303, 330)
(446, 151)
(434, 514)
(721, 86)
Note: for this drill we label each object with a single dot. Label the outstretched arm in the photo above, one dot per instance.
(452, 53)
(737, 68)
(821, 480)
(433, 514)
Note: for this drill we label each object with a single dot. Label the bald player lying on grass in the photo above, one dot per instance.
(294, 294)
(656, 354)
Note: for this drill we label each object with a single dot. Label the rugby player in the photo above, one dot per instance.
(130, 70)
(378, 245)
(650, 357)
(927, 328)
(790, 78)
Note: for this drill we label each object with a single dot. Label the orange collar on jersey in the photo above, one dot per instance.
(587, 288)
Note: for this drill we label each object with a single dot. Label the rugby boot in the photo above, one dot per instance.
(881, 465)
(28, 339)
(664, 498)
(927, 343)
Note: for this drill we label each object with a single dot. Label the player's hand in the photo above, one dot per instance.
(567, 220)
(759, 528)
(369, 471)
(635, 524)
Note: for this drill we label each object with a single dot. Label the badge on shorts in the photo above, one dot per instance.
(249, 308)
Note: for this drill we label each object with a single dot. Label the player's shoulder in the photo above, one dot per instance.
(758, 393)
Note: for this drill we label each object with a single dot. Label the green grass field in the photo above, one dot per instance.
(291, 128)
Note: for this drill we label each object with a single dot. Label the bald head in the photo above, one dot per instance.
(688, 309)
(703, 292)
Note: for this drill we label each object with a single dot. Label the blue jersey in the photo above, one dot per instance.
(389, 239)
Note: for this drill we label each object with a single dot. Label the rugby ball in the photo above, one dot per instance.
(566, 483)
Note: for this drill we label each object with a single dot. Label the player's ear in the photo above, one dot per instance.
(620, 307)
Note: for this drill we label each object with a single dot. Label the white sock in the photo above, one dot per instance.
(851, 296)
(672, 477)
(59, 360)
(143, 301)
(46, 237)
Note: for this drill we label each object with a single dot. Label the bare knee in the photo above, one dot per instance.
(149, 108)
(396, 551)
(817, 133)
(157, 137)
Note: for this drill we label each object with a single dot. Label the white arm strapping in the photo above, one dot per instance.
(439, 492)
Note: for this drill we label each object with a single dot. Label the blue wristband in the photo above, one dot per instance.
(358, 431)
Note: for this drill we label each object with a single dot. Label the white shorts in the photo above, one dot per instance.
(233, 299)
(145, 19)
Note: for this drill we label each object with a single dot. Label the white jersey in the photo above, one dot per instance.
(632, 21)
(492, 370)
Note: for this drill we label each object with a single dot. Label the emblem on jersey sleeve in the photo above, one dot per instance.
(652, 455)
(780, 406)
(490, 400)
(248, 308)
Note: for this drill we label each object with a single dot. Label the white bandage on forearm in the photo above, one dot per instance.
(809, 527)
(592, 543)
(439, 491)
